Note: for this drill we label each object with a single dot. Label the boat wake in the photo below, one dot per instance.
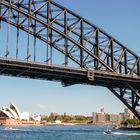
(10, 128)
(13, 128)
(127, 134)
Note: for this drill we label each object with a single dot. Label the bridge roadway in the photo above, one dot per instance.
(68, 76)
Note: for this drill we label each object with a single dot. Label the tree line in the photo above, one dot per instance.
(67, 118)
(134, 122)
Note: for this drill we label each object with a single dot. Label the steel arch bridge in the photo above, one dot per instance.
(41, 39)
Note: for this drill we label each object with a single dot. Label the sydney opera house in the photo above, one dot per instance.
(12, 116)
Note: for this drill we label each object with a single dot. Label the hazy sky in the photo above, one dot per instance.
(121, 19)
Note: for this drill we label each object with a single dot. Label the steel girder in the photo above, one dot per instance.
(80, 43)
(129, 95)
(72, 35)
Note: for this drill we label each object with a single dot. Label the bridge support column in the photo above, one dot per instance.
(0, 16)
(129, 96)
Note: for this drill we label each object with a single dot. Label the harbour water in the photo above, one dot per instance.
(75, 132)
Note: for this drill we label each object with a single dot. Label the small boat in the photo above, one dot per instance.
(108, 132)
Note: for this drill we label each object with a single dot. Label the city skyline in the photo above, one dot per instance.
(98, 110)
(122, 22)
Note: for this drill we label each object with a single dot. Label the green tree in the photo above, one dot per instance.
(131, 122)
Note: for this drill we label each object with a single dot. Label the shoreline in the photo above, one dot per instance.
(49, 124)
(43, 124)
(127, 127)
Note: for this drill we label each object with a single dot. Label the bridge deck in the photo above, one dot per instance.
(27, 69)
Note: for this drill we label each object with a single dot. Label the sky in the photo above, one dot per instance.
(119, 18)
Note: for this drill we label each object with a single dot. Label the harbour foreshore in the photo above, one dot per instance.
(130, 127)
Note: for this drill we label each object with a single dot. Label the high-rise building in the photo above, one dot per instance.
(131, 114)
(127, 114)
(94, 114)
(102, 110)
(103, 118)
(99, 118)
(114, 118)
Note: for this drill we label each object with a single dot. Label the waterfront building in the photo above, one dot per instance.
(126, 110)
(94, 115)
(13, 112)
(127, 114)
(12, 116)
(36, 118)
(124, 116)
(113, 118)
(104, 118)
(99, 118)
(57, 122)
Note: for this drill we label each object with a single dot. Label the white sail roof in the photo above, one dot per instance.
(15, 108)
(12, 112)
(7, 114)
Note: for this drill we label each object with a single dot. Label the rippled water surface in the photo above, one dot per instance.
(77, 132)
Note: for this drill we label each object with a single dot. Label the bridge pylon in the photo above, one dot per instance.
(128, 95)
